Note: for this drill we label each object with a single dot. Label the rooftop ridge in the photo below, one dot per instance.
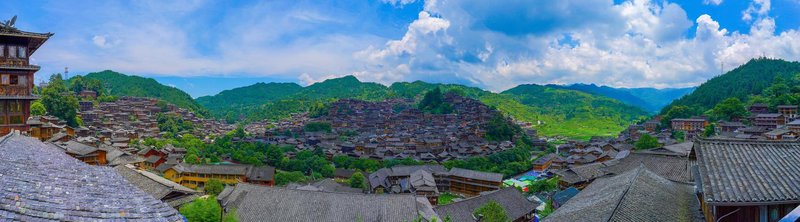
(627, 188)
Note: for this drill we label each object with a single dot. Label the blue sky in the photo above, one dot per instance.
(204, 47)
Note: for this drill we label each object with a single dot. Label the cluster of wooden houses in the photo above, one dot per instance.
(762, 124)
(390, 129)
(135, 117)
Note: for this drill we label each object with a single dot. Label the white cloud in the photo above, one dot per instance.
(712, 2)
(641, 43)
(758, 8)
(635, 43)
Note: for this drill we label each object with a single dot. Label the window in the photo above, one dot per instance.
(14, 107)
(5, 79)
(14, 80)
(12, 51)
(2, 51)
(15, 119)
(22, 52)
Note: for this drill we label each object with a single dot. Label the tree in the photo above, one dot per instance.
(239, 132)
(204, 209)
(283, 178)
(676, 112)
(491, 212)
(230, 216)
(433, 102)
(730, 109)
(543, 185)
(59, 101)
(37, 108)
(499, 128)
(646, 142)
(274, 155)
(191, 159)
(317, 127)
(678, 135)
(357, 180)
(710, 130)
(213, 187)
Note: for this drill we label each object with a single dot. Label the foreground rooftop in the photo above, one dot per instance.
(39, 182)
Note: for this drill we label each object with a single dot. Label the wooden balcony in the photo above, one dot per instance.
(19, 64)
(16, 92)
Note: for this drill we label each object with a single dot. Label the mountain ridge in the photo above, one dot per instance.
(649, 99)
(742, 82)
(582, 123)
(119, 84)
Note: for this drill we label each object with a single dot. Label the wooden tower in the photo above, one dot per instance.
(16, 75)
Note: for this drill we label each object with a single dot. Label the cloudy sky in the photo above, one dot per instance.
(207, 46)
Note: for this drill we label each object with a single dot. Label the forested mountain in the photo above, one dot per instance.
(648, 99)
(568, 111)
(118, 84)
(744, 82)
(575, 114)
(281, 103)
(242, 97)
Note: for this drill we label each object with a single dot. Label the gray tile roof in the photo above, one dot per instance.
(680, 148)
(41, 182)
(260, 203)
(636, 195)
(157, 186)
(515, 204)
(228, 169)
(495, 177)
(748, 172)
(672, 167)
(77, 148)
(262, 173)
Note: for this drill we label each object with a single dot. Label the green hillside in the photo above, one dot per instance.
(749, 79)
(576, 115)
(118, 84)
(234, 100)
(648, 99)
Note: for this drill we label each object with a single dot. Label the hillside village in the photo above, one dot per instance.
(437, 156)
(390, 129)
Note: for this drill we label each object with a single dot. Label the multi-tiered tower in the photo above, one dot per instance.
(16, 74)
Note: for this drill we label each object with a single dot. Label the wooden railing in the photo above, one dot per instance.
(16, 63)
(15, 91)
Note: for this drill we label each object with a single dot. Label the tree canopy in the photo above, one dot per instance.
(60, 102)
(646, 142)
(433, 102)
(357, 180)
(491, 212)
(213, 187)
(730, 109)
(204, 209)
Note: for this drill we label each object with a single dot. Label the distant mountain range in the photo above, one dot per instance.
(556, 111)
(648, 99)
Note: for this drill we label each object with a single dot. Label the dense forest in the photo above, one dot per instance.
(556, 111)
(743, 82)
(118, 84)
(242, 97)
(726, 97)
